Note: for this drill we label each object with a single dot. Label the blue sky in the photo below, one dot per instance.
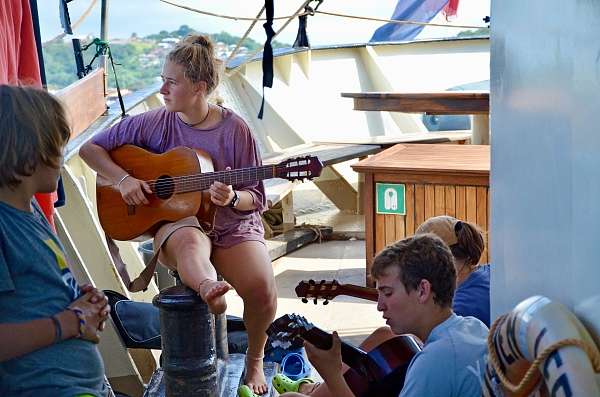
(150, 16)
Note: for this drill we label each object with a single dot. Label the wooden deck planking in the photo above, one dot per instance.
(410, 210)
(451, 200)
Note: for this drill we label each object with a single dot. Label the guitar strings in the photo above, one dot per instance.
(189, 183)
(198, 179)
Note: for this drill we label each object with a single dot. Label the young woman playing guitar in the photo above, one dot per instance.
(235, 247)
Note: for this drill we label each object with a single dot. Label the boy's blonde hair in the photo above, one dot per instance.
(33, 129)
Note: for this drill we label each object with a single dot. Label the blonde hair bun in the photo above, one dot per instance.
(195, 53)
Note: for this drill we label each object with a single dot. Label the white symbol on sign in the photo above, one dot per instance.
(390, 200)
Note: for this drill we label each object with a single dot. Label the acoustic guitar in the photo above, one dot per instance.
(377, 373)
(328, 290)
(179, 179)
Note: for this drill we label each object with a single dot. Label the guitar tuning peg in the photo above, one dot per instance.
(311, 281)
(323, 281)
(326, 302)
(315, 301)
(304, 300)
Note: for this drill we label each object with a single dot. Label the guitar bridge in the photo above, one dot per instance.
(130, 210)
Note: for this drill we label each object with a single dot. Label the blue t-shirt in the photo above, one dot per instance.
(35, 282)
(472, 297)
(452, 361)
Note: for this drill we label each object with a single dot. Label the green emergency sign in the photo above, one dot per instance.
(390, 198)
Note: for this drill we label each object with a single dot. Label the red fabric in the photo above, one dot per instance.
(19, 64)
(18, 51)
(451, 8)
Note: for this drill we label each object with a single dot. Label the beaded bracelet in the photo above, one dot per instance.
(81, 319)
(57, 329)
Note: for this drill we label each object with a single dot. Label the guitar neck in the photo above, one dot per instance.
(351, 355)
(198, 182)
(357, 292)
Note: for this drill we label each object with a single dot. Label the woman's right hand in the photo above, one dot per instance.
(93, 314)
(132, 190)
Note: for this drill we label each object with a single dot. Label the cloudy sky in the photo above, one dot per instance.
(150, 16)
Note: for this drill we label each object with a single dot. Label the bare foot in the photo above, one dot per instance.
(213, 293)
(255, 376)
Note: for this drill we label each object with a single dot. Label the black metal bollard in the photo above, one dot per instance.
(188, 343)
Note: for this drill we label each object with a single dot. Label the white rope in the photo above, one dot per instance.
(409, 22)
(239, 43)
(75, 25)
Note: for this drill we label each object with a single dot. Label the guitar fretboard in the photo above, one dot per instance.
(198, 182)
(194, 183)
(358, 292)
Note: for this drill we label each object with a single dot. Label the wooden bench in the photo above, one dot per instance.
(385, 141)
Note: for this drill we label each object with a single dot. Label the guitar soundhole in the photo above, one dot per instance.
(164, 187)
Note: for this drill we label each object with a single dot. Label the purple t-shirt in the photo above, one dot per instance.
(229, 143)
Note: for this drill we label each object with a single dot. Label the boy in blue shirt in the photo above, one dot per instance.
(49, 326)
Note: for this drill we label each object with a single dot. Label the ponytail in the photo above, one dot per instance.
(470, 243)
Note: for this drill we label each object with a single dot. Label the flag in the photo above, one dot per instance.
(451, 9)
(413, 10)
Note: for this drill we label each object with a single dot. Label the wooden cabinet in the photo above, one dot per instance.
(436, 180)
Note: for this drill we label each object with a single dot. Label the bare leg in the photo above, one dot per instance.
(376, 338)
(188, 251)
(247, 267)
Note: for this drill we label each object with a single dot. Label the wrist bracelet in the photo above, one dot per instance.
(57, 329)
(81, 319)
(122, 179)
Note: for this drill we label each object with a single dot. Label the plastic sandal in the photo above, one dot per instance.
(295, 366)
(283, 384)
(245, 391)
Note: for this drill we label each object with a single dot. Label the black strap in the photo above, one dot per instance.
(267, 61)
(302, 36)
(112, 62)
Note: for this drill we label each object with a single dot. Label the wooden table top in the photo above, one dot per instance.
(446, 102)
(429, 158)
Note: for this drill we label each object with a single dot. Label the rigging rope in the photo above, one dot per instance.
(75, 25)
(236, 18)
(239, 43)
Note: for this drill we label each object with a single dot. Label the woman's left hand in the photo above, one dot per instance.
(328, 363)
(220, 193)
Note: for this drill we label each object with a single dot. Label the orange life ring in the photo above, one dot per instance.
(541, 340)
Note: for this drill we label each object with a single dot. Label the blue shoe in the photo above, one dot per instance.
(295, 366)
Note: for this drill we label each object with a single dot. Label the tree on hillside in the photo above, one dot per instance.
(474, 33)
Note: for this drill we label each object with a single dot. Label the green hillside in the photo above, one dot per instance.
(139, 58)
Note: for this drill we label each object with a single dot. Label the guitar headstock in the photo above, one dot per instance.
(287, 329)
(299, 168)
(311, 289)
